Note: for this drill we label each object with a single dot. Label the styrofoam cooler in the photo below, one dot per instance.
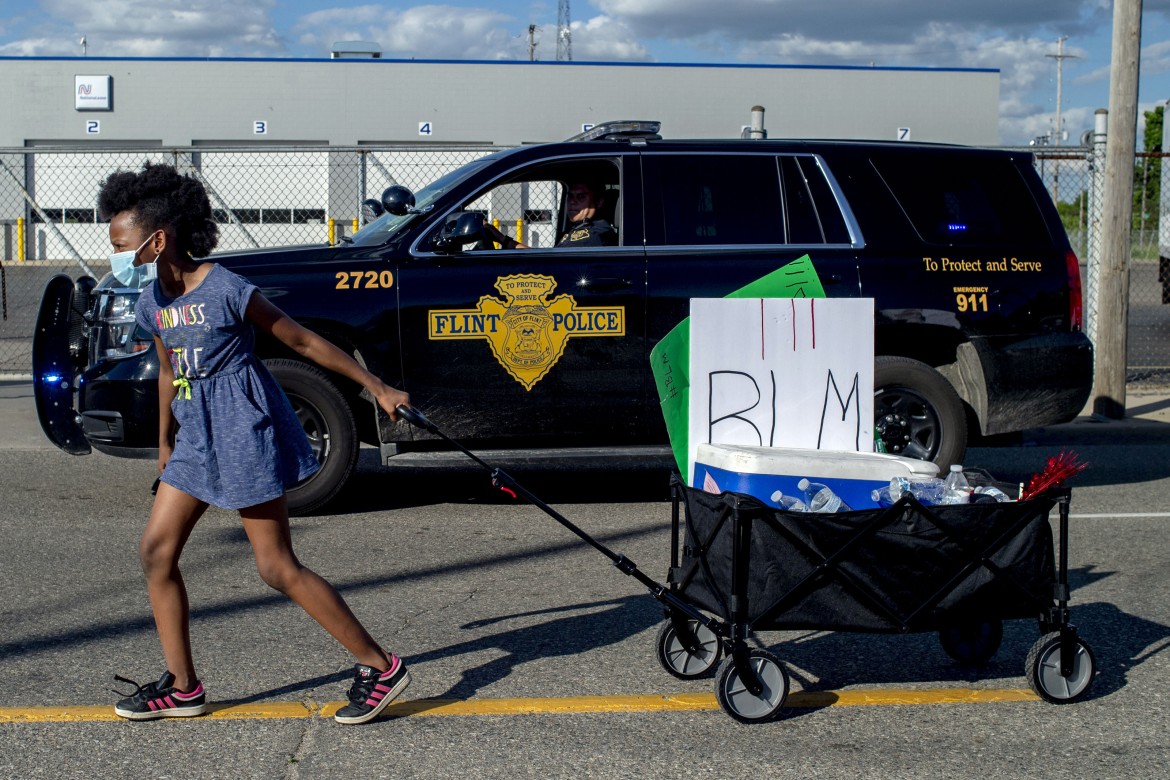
(761, 471)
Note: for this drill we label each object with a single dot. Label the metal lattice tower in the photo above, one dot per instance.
(564, 34)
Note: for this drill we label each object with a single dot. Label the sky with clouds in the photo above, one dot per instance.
(1016, 36)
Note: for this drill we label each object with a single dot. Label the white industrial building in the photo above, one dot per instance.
(348, 102)
(288, 146)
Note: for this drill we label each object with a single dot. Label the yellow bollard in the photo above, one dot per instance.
(355, 225)
(519, 231)
(20, 239)
(332, 232)
(496, 225)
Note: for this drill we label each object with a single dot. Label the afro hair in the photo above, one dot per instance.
(161, 197)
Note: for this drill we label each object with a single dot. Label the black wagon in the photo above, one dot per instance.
(959, 570)
(745, 567)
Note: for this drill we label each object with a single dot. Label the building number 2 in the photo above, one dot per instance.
(369, 280)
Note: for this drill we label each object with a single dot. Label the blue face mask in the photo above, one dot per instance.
(130, 275)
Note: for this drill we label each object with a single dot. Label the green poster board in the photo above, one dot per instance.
(670, 359)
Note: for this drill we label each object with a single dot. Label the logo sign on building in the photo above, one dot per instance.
(93, 93)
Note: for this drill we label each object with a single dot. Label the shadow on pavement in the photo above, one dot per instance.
(374, 488)
(597, 624)
(826, 660)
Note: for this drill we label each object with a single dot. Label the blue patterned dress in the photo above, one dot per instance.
(239, 442)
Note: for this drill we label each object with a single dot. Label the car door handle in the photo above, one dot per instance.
(604, 284)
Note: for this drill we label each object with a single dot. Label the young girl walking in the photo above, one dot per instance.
(238, 443)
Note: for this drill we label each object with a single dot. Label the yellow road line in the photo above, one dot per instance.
(100, 712)
(543, 706)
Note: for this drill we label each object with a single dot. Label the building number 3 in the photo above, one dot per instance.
(358, 280)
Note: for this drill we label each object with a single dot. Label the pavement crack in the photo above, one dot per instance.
(303, 750)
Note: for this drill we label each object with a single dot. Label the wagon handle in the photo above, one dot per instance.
(415, 418)
(504, 481)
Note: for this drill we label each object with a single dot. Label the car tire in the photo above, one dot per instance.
(916, 411)
(329, 425)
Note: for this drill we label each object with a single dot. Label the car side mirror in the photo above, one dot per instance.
(461, 230)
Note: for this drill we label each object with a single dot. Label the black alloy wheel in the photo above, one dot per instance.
(917, 413)
(328, 423)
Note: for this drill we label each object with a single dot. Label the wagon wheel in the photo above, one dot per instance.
(737, 701)
(974, 643)
(682, 663)
(1043, 670)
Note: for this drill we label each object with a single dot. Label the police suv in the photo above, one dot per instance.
(977, 298)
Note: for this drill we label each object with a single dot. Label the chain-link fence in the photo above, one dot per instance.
(1074, 177)
(304, 195)
(272, 197)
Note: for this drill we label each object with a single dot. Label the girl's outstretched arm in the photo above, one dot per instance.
(270, 319)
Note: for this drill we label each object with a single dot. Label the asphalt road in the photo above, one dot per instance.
(497, 608)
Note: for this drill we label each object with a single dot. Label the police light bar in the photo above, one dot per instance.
(622, 128)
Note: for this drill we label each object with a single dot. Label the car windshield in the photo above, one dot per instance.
(384, 227)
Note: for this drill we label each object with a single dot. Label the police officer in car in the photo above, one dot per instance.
(585, 228)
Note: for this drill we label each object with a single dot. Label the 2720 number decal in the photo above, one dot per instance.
(364, 280)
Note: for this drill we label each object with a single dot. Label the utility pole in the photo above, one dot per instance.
(1117, 220)
(532, 43)
(564, 33)
(1060, 57)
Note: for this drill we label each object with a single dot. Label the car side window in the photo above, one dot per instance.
(965, 200)
(717, 199)
(742, 199)
(525, 211)
(536, 207)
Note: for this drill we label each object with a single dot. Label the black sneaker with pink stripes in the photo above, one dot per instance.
(161, 700)
(372, 691)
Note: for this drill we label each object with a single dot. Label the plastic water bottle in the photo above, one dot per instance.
(994, 492)
(929, 491)
(883, 497)
(821, 498)
(788, 503)
(958, 490)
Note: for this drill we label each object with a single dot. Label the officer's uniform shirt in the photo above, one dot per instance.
(589, 232)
